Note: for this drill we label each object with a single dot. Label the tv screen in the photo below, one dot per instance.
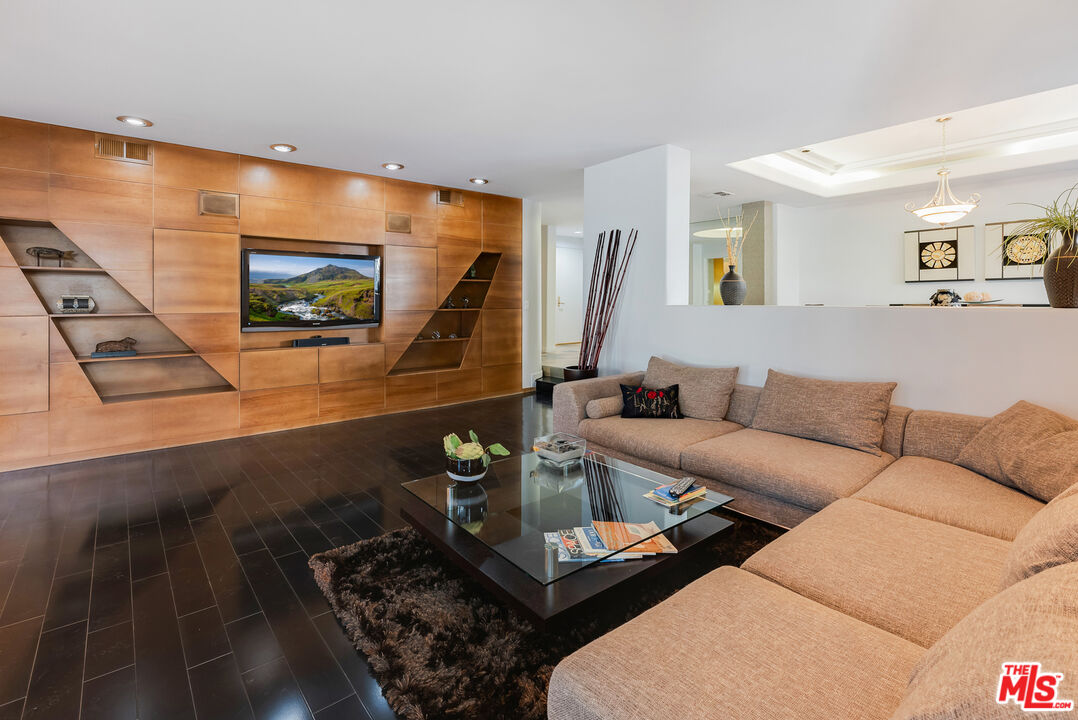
(290, 290)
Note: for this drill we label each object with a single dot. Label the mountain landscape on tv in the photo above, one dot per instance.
(344, 291)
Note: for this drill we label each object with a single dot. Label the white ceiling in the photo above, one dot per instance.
(526, 94)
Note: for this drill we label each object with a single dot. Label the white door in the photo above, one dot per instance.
(569, 283)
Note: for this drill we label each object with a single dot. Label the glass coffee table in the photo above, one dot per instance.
(495, 528)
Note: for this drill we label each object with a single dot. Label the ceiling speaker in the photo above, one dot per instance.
(450, 197)
(218, 203)
(398, 223)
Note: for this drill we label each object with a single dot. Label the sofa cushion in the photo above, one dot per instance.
(903, 574)
(850, 414)
(1048, 467)
(604, 407)
(705, 392)
(660, 440)
(638, 401)
(1007, 436)
(733, 645)
(939, 435)
(946, 493)
(803, 472)
(1033, 621)
(1049, 539)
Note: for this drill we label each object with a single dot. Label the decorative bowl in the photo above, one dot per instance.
(560, 448)
(465, 470)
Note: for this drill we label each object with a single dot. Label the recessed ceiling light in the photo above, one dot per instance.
(478, 181)
(283, 147)
(134, 121)
(393, 166)
(722, 193)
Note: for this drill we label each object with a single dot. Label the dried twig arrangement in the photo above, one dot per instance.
(607, 274)
(736, 233)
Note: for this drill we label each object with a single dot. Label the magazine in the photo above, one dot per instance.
(632, 535)
(594, 545)
(566, 555)
(662, 495)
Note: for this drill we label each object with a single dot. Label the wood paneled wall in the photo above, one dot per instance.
(141, 224)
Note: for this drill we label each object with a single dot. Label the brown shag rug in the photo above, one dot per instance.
(441, 647)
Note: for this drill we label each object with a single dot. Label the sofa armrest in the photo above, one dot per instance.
(571, 398)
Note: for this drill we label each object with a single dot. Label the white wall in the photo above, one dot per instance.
(850, 253)
(531, 293)
(974, 360)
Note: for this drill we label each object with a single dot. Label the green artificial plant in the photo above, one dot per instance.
(458, 450)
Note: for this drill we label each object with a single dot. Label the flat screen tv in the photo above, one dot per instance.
(283, 290)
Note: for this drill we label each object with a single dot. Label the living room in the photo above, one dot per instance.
(603, 360)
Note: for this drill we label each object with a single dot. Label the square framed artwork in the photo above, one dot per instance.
(1010, 254)
(940, 254)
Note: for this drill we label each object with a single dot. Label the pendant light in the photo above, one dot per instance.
(944, 207)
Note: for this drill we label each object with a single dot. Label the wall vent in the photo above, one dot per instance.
(118, 148)
(218, 203)
(450, 197)
(398, 223)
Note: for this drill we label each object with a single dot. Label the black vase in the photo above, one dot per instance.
(465, 470)
(1061, 274)
(575, 372)
(732, 287)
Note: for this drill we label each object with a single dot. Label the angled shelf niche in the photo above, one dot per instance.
(164, 367)
(426, 354)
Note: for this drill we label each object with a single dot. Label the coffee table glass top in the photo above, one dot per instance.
(523, 497)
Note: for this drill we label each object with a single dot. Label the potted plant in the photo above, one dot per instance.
(468, 461)
(1061, 267)
(607, 274)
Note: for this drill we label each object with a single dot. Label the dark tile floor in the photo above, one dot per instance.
(174, 583)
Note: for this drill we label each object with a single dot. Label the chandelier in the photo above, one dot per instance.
(944, 207)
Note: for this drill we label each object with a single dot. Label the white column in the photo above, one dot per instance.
(531, 293)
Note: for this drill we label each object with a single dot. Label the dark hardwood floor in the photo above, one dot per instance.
(174, 584)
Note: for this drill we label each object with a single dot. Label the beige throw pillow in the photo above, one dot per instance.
(1048, 467)
(850, 414)
(1050, 538)
(604, 407)
(703, 393)
(1009, 435)
(1033, 621)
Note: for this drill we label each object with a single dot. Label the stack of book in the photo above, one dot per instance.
(662, 495)
(633, 540)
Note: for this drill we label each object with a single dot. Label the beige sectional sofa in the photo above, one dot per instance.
(900, 567)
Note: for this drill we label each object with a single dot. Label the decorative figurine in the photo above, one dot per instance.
(75, 304)
(465, 302)
(449, 302)
(115, 348)
(472, 272)
(419, 336)
(452, 336)
(435, 335)
(48, 252)
(945, 298)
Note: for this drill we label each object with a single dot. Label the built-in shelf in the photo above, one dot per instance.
(162, 394)
(441, 340)
(468, 309)
(143, 356)
(100, 315)
(424, 370)
(42, 268)
(476, 280)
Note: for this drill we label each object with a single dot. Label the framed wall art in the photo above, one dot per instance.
(940, 254)
(1010, 254)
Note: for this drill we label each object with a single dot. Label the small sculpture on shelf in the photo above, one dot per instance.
(419, 336)
(51, 253)
(435, 335)
(452, 336)
(465, 302)
(472, 272)
(945, 298)
(75, 304)
(115, 348)
(449, 302)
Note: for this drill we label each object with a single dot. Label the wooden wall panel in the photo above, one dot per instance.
(24, 357)
(227, 365)
(337, 187)
(337, 363)
(350, 399)
(406, 392)
(470, 211)
(95, 200)
(411, 198)
(268, 217)
(206, 333)
(17, 297)
(73, 430)
(501, 379)
(502, 210)
(24, 145)
(341, 224)
(177, 208)
(72, 152)
(281, 180)
(263, 340)
(454, 259)
(402, 326)
(279, 408)
(69, 387)
(184, 417)
(262, 369)
(410, 278)
(459, 385)
(501, 333)
(505, 289)
(196, 272)
(113, 247)
(424, 234)
(23, 438)
(24, 194)
(59, 352)
(195, 169)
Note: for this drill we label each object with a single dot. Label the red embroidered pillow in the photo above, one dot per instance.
(642, 402)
